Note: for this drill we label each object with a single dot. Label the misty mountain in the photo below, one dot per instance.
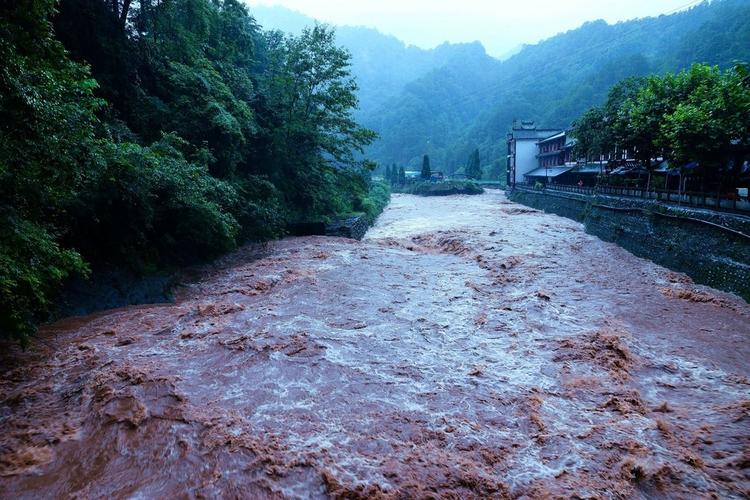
(451, 111)
(447, 101)
(382, 64)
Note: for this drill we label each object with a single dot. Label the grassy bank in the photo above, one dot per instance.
(376, 200)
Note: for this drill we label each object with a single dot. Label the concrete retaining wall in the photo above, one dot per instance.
(712, 248)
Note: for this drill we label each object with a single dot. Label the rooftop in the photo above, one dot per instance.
(590, 168)
(549, 171)
(533, 134)
(558, 135)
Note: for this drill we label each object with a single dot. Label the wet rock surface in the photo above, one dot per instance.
(469, 347)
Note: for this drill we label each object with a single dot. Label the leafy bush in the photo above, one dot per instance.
(259, 209)
(147, 206)
(447, 188)
(376, 200)
(32, 268)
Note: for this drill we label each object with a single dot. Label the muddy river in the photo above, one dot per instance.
(469, 347)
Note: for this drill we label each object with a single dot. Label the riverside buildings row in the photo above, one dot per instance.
(546, 156)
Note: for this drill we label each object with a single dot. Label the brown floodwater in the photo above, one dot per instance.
(469, 347)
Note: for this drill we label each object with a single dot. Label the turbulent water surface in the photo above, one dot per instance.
(469, 347)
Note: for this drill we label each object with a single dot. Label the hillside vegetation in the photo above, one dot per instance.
(154, 134)
(451, 100)
(472, 104)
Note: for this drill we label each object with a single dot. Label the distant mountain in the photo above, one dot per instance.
(280, 18)
(382, 64)
(447, 101)
(515, 50)
(450, 112)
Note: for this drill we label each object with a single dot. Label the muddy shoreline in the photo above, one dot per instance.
(468, 347)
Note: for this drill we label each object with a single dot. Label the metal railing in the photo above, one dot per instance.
(726, 202)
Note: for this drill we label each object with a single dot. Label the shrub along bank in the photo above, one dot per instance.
(446, 188)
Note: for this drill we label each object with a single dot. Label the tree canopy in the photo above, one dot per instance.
(698, 115)
(426, 172)
(158, 133)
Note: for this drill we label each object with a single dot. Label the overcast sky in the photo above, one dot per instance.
(501, 25)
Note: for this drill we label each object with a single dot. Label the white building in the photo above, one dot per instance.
(523, 149)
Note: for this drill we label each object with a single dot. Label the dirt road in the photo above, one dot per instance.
(469, 347)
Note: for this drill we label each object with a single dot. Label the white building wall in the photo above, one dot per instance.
(526, 160)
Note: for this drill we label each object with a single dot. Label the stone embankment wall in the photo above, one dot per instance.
(349, 227)
(352, 227)
(713, 248)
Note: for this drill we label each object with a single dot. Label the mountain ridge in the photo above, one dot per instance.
(452, 99)
(551, 82)
(369, 48)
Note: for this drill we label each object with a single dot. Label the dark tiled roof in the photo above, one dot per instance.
(591, 168)
(557, 135)
(548, 172)
(536, 135)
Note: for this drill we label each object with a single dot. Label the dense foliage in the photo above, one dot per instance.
(375, 202)
(162, 132)
(698, 115)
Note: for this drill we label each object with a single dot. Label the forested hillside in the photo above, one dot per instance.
(449, 101)
(551, 82)
(155, 134)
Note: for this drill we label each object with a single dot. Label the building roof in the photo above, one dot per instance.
(558, 135)
(549, 171)
(590, 168)
(663, 167)
(533, 134)
(629, 167)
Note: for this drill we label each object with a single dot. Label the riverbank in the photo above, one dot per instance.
(113, 287)
(711, 247)
(467, 347)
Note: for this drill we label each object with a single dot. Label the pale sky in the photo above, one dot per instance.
(501, 25)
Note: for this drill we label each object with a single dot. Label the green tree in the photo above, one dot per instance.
(426, 171)
(312, 95)
(699, 114)
(601, 130)
(388, 173)
(47, 111)
(711, 118)
(474, 167)
(590, 132)
(401, 176)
